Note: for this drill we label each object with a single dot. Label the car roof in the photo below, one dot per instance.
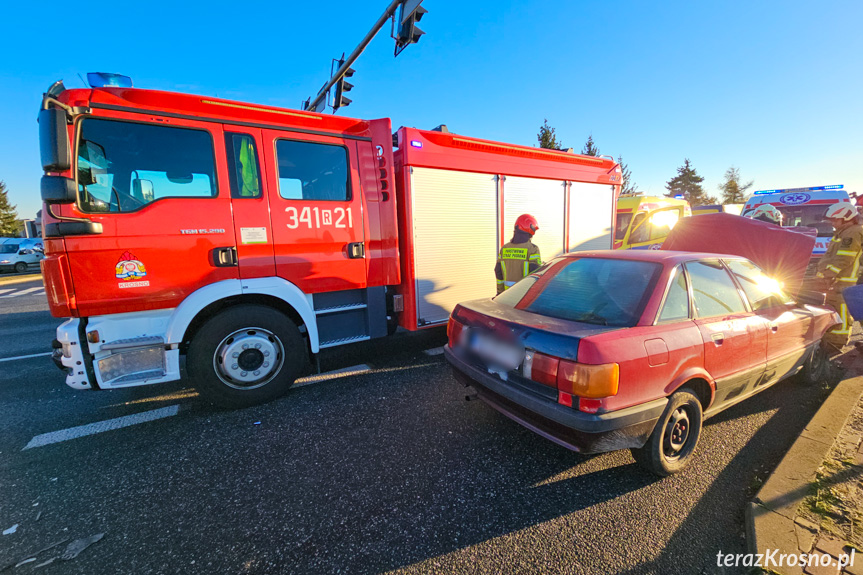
(659, 256)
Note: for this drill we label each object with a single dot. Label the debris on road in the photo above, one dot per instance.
(44, 563)
(11, 530)
(30, 560)
(33, 556)
(76, 547)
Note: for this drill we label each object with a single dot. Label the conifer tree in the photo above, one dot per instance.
(687, 183)
(9, 224)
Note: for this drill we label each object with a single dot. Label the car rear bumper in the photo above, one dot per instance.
(573, 429)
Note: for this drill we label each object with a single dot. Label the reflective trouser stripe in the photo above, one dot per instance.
(834, 269)
(846, 253)
(845, 329)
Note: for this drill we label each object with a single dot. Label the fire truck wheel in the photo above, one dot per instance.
(246, 355)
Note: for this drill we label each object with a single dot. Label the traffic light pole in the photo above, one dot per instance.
(390, 11)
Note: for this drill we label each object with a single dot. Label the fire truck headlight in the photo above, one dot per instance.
(135, 364)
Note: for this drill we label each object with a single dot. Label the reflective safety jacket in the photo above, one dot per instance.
(841, 262)
(515, 261)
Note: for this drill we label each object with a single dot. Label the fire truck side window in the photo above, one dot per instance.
(312, 171)
(123, 166)
(243, 166)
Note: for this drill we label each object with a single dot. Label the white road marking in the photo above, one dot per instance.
(434, 351)
(101, 426)
(326, 376)
(31, 291)
(25, 356)
(2, 291)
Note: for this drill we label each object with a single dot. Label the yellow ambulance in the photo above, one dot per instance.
(644, 221)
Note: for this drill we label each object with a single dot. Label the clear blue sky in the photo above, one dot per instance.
(771, 87)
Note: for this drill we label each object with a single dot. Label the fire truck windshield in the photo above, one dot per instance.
(123, 166)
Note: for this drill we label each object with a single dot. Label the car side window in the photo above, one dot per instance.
(676, 305)
(713, 290)
(762, 291)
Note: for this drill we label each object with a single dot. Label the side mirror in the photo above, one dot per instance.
(143, 190)
(54, 140)
(58, 190)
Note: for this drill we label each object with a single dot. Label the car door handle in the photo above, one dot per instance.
(718, 339)
(774, 327)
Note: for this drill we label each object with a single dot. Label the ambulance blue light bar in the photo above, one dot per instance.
(813, 189)
(108, 80)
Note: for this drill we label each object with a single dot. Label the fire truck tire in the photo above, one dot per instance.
(245, 355)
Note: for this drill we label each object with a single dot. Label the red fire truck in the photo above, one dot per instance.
(247, 237)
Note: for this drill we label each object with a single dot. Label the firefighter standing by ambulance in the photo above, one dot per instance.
(520, 256)
(839, 268)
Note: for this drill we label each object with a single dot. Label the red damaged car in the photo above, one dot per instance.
(607, 350)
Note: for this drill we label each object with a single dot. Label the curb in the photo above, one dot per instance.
(20, 279)
(770, 515)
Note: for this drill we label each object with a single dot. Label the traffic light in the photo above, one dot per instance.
(409, 32)
(343, 86)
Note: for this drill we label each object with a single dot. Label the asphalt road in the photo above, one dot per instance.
(390, 470)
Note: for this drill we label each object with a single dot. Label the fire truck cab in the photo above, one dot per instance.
(247, 237)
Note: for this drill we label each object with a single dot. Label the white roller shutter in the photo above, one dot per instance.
(590, 210)
(455, 221)
(544, 200)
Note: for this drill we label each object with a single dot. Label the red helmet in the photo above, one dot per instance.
(526, 223)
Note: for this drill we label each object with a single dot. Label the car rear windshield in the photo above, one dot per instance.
(591, 290)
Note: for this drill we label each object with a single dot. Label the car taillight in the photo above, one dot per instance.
(588, 381)
(541, 368)
(453, 331)
(577, 383)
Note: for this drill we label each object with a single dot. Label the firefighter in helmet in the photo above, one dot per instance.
(767, 213)
(839, 267)
(520, 256)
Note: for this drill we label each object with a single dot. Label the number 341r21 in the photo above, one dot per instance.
(318, 218)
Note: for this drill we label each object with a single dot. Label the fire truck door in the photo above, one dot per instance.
(316, 206)
(249, 203)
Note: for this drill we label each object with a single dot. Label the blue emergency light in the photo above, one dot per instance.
(416, 144)
(812, 189)
(108, 80)
(678, 197)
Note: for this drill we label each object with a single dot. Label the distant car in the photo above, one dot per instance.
(20, 254)
(607, 350)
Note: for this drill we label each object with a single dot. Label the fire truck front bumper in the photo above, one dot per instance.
(109, 352)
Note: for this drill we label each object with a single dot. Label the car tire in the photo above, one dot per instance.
(245, 355)
(671, 445)
(20, 267)
(816, 367)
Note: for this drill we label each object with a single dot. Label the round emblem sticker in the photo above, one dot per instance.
(794, 199)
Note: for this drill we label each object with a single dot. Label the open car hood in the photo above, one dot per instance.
(782, 253)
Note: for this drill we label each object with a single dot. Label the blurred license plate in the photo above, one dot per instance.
(496, 352)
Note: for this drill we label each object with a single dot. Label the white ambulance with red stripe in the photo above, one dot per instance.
(802, 207)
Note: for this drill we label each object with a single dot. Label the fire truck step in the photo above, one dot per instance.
(340, 308)
(344, 341)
